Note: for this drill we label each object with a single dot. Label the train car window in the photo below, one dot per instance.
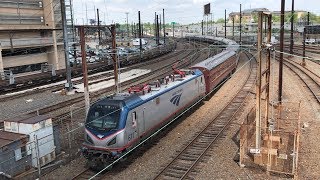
(134, 119)
(201, 80)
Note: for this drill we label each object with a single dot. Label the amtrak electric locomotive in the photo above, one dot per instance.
(117, 123)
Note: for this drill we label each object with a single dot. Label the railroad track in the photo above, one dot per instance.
(94, 95)
(309, 49)
(104, 76)
(87, 174)
(309, 78)
(32, 81)
(299, 52)
(78, 101)
(183, 165)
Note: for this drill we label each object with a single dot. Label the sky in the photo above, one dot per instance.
(179, 11)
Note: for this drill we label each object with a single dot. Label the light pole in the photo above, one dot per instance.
(127, 24)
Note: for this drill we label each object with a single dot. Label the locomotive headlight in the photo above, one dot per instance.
(89, 139)
(113, 141)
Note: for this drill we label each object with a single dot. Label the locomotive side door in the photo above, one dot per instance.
(138, 123)
(142, 125)
(201, 86)
(133, 129)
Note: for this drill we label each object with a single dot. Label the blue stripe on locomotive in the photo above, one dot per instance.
(129, 105)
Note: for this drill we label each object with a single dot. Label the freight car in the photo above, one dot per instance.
(118, 123)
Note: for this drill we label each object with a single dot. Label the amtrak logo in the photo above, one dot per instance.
(176, 99)
(100, 136)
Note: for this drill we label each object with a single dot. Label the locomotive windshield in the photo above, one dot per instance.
(103, 117)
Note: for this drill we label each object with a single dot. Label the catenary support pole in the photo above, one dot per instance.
(240, 40)
(233, 27)
(202, 27)
(291, 29)
(268, 67)
(99, 31)
(140, 40)
(258, 82)
(84, 68)
(281, 50)
(304, 47)
(225, 23)
(66, 45)
(127, 25)
(173, 29)
(114, 57)
(164, 28)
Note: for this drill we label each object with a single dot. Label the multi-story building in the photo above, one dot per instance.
(30, 35)
(248, 14)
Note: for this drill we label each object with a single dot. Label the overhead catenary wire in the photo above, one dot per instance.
(170, 122)
(203, 48)
(66, 133)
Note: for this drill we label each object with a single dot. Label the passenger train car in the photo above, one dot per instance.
(117, 123)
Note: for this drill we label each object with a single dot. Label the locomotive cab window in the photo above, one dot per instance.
(103, 117)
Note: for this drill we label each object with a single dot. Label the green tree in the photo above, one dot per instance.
(255, 17)
(276, 18)
(221, 20)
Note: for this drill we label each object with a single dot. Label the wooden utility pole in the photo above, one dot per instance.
(84, 68)
(258, 83)
(268, 70)
(114, 57)
(281, 50)
(260, 87)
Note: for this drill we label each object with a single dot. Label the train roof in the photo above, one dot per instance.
(214, 61)
(231, 44)
(132, 100)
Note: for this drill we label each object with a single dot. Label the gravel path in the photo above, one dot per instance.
(309, 165)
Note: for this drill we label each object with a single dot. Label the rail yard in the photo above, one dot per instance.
(228, 98)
